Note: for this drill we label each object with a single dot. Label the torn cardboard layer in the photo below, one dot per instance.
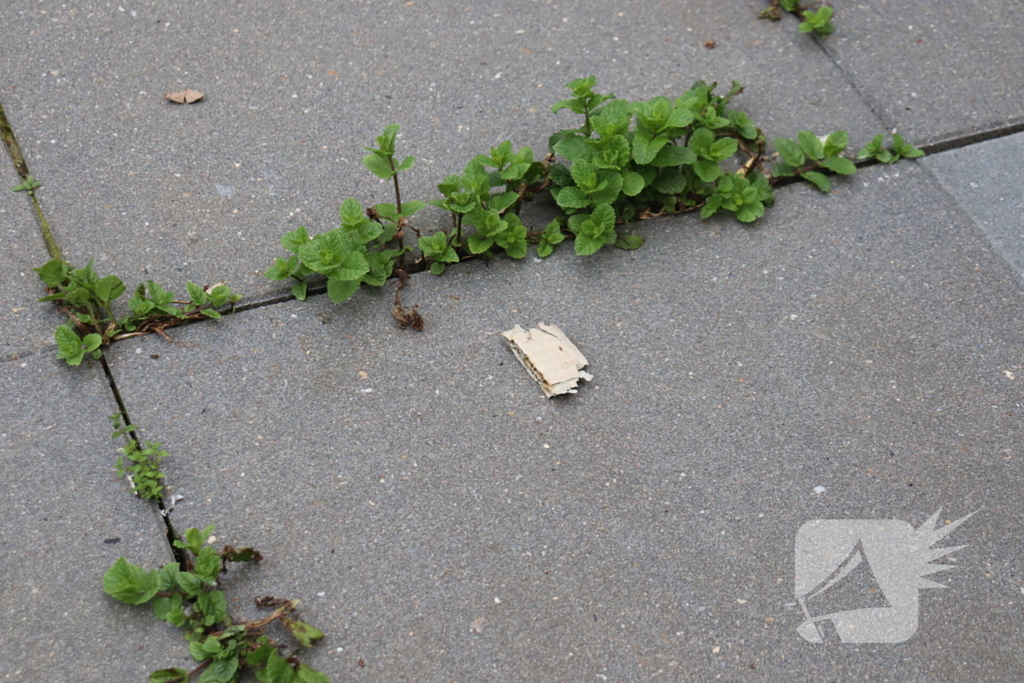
(549, 356)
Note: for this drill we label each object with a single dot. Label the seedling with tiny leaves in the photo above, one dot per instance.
(140, 465)
(900, 149)
(807, 157)
(820, 22)
(29, 185)
(187, 596)
(88, 301)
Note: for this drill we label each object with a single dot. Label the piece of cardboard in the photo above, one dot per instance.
(549, 357)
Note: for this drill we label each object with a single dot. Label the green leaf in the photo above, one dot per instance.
(410, 208)
(53, 272)
(130, 583)
(176, 675)
(278, 670)
(478, 244)
(673, 155)
(633, 182)
(351, 212)
(836, 143)
(378, 166)
(295, 239)
(213, 606)
(500, 202)
(220, 671)
(341, 290)
(629, 242)
(311, 675)
(679, 118)
(170, 609)
(196, 294)
(575, 106)
(303, 632)
(708, 171)
(208, 565)
(299, 290)
(261, 654)
(790, 152)
(406, 164)
(711, 206)
(701, 141)
(573, 148)
(69, 345)
(572, 197)
(437, 268)
(646, 148)
(109, 288)
(545, 249)
(190, 583)
(672, 181)
(584, 175)
(586, 245)
(167, 576)
(810, 144)
(159, 295)
(904, 148)
(723, 148)
(92, 342)
(818, 180)
(839, 165)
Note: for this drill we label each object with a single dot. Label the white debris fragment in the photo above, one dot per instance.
(819, 490)
(549, 357)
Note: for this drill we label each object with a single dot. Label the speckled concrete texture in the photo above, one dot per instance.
(985, 180)
(935, 71)
(26, 327)
(855, 356)
(293, 92)
(64, 520)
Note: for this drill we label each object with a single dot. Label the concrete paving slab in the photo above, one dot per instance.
(26, 326)
(935, 71)
(64, 520)
(294, 92)
(856, 356)
(985, 180)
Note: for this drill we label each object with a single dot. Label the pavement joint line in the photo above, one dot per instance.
(21, 166)
(169, 530)
(868, 101)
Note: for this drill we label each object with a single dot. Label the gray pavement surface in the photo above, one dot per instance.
(447, 522)
(934, 70)
(985, 180)
(64, 520)
(854, 356)
(154, 190)
(26, 327)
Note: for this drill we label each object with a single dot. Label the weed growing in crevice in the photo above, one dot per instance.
(187, 596)
(88, 300)
(817, 16)
(899, 149)
(626, 161)
(141, 466)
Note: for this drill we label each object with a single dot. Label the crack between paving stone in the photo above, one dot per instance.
(21, 166)
(837, 63)
(165, 514)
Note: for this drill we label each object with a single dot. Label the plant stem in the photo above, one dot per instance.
(394, 177)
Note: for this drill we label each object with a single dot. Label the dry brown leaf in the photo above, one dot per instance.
(186, 96)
